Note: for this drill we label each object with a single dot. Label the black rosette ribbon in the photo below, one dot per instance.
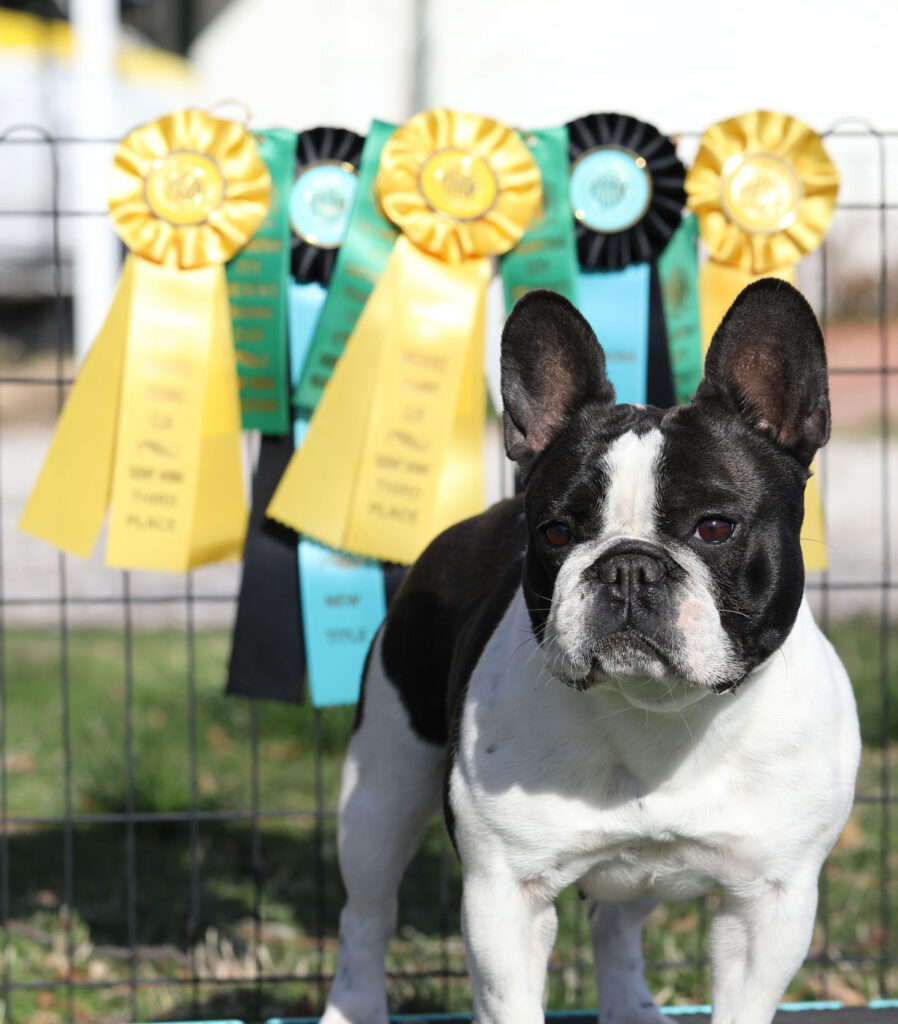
(268, 655)
(627, 194)
(644, 239)
(310, 260)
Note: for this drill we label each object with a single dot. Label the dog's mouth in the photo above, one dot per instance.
(647, 668)
(623, 655)
(640, 670)
(630, 652)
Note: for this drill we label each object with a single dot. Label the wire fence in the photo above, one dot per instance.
(184, 865)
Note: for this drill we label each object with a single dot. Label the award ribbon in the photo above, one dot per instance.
(343, 598)
(626, 191)
(393, 453)
(257, 279)
(678, 270)
(321, 199)
(151, 427)
(763, 190)
(546, 257)
(360, 260)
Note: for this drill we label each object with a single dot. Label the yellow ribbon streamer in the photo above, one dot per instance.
(764, 191)
(151, 427)
(394, 450)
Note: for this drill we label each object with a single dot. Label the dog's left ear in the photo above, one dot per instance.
(551, 366)
(767, 364)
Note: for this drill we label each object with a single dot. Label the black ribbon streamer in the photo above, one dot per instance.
(268, 659)
(644, 241)
(267, 653)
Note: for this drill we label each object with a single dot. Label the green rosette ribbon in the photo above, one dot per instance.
(546, 257)
(257, 283)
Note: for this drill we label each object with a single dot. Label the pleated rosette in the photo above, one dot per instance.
(763, 190)
(627, 197)
(393, 452)
(150, 430)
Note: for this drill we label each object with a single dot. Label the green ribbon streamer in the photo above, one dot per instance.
(546, 257)
(257, 282)
(678, 271)
(362, 257)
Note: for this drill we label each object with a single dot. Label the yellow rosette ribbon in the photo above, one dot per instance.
(394, 450)
(763, 190)
(151, 429)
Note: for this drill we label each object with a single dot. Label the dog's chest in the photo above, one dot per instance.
(563, 817)
(580, 787)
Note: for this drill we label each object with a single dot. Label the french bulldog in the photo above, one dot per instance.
(614, 681)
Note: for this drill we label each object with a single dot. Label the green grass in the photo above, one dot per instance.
(289, 866)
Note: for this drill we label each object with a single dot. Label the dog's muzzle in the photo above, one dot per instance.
(632, 580)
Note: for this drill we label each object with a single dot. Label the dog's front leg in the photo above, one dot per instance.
(509, 932)
(759, 938)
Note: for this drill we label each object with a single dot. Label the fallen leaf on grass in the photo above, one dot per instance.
(218, 739)
(852, 838)
(19, 763)
(689, 923)
(208, 785)
(835, 988)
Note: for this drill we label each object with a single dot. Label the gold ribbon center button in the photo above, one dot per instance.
(184, 187)
(760, 192)
(455, 182)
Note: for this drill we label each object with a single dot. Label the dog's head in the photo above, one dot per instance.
(665, 543)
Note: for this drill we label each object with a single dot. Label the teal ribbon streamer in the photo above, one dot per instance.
(343, 597)
(616, 304)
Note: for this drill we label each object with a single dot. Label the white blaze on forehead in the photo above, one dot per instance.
(631, 497)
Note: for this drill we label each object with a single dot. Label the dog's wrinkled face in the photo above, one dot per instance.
(665, 544)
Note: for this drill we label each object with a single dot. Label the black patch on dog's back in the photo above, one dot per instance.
(446, 610)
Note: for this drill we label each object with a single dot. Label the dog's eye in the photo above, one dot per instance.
(713, 531)
(557, 534)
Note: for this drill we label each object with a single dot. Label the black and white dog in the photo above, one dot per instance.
(614, 681)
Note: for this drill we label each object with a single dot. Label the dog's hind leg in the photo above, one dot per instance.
(624, 996)
(392, 786)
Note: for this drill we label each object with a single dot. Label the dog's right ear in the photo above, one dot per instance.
(552, 365)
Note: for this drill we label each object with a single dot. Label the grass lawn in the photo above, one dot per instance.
(190, 912)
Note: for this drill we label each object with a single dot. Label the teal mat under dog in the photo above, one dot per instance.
(881, 1011)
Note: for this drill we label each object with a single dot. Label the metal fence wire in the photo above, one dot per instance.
(169, 853)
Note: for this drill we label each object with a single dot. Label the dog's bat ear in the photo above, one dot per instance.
(767, 364)
(551, 366)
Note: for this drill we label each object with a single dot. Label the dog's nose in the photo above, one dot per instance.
(630, 574)
(629, 570)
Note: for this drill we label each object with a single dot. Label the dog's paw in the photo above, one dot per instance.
(353, 1015)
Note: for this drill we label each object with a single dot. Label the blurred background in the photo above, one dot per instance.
(166, 852)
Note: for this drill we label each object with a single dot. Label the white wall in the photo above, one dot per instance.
(302, 63)
(680, 64)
